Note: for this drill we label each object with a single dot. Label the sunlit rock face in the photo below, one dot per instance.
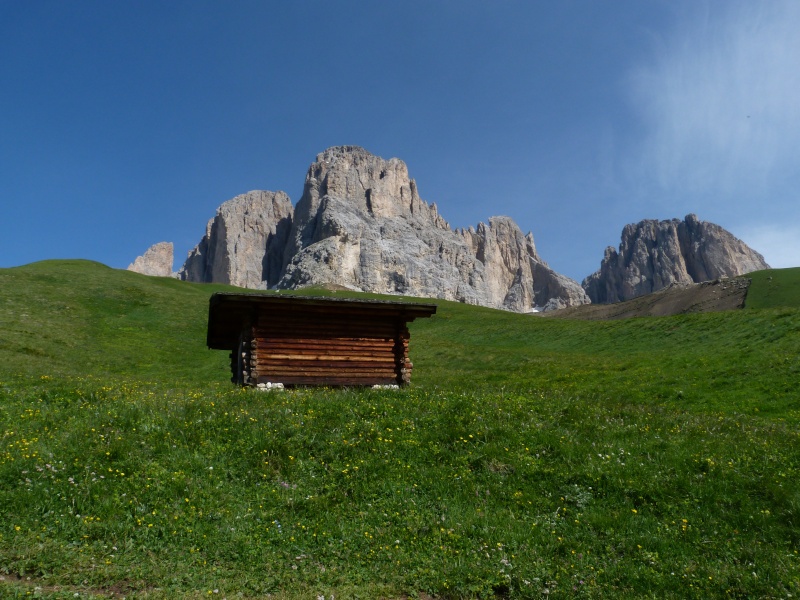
(654, 254)
(362, 225)
(244, 242)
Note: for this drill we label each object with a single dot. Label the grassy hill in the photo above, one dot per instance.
(643, 457)
(775, 288)
(61, 318)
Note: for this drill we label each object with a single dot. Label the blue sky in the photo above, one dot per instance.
(125, 123)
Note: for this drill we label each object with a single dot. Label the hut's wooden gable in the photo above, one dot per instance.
(313, 341)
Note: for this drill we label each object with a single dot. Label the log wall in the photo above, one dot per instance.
(352, 350)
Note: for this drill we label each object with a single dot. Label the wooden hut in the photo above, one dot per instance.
(296, 340)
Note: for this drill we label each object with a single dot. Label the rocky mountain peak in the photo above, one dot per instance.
(654, 254)
(380, 188)
(157, 260)
(373, 186)
(361, 224)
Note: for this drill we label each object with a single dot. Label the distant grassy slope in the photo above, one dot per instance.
(729, 361)
(774, 288)
(738, 360)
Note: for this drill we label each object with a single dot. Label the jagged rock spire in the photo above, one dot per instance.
(654, 254)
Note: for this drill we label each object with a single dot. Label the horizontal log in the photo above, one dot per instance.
(333, 373)
(289, 357)
(330, 372)
(269, 366)
(315, 337)
(304, 380)
(345, 336)
(325, 343)
(342, 363)
(324, 353)
(277, 373)
(345, 358)
(342, 360)
(336, 365)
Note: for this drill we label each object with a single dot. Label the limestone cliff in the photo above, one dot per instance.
(654, 254)
(361, 223)
(157, 261)
(244, 242)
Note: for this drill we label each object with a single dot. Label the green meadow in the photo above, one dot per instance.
(530, 457)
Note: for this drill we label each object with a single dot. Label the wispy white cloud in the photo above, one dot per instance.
(719, 103)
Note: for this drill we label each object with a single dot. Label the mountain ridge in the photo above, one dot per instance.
(360, 223)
